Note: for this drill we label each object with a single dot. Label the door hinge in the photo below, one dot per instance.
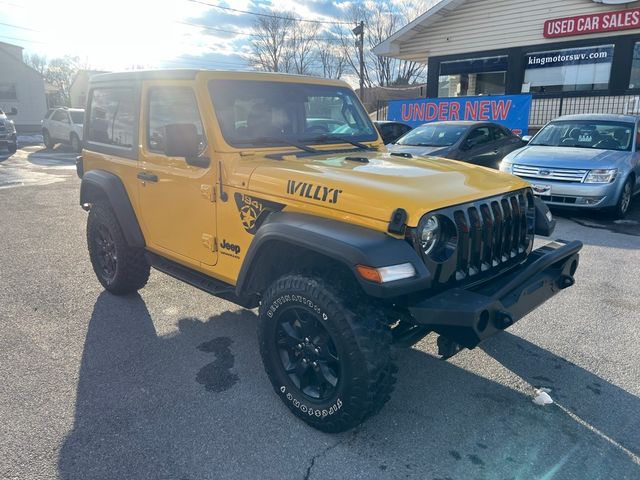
(208, 192)
(210, 242)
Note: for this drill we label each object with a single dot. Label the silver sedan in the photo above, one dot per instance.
(582, 161)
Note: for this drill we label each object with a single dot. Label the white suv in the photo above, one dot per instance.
(63, 125)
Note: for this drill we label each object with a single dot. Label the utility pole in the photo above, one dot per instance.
(359, 32)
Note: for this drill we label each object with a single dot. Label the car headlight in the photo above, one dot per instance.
(11, 127)
(601, 176)
(506, 166)
(429, 234)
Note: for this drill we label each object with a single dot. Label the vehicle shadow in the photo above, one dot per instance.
(60, 155)
(196, 404)
(630, 225)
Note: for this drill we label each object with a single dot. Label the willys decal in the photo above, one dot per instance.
(313, 192)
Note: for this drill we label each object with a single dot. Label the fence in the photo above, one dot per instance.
(545, 108)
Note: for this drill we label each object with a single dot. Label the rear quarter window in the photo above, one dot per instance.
(113, 117)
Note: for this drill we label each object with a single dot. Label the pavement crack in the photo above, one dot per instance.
(312, 462)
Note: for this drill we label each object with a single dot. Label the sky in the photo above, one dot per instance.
(124, 34)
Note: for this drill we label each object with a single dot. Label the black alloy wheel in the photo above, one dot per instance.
(308, 353)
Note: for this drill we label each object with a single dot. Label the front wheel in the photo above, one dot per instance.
(75, 143)
(119, 267)
(47, 140)
(329, 361)
(13, 148)
(624, 201)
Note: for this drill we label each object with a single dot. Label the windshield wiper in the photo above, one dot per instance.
(337, 138)
(282, 141)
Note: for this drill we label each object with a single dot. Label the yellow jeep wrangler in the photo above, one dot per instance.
(275, 191)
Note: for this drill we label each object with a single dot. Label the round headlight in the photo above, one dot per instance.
(430, 234)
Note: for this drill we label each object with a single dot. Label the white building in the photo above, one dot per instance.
(21, 87)
(574, 56)
(80, 86)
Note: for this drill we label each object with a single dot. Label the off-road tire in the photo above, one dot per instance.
(131, 270)
(622, 206)
(12, 148)
(47, 140)
(362, 340)
(74, 140)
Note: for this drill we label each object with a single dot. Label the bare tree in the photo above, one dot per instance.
(37, 62)
(60, 73)
(302, 47)
(332, 60)
(269, 43)
(381, 21)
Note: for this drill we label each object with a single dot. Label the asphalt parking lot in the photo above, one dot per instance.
(169, 384)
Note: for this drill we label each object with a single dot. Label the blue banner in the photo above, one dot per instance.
(512, 111)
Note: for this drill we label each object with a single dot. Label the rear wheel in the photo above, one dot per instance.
(47, 140)
(120, 268)
(624, 201)
(328, 360)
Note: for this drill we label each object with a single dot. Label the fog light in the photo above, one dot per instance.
(386, 274)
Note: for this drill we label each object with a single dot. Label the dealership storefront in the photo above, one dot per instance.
(573, 56)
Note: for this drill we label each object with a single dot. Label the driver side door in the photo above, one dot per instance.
(176, 199)
(481, 148)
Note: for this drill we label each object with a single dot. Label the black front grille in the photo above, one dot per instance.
(492, 234)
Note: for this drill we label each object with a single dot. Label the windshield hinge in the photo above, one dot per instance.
(208, 192)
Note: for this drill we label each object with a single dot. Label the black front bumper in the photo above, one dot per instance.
(468, 316)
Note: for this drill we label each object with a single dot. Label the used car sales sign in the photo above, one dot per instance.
(595, 23)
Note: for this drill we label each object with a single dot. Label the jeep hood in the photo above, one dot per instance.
(375, 187)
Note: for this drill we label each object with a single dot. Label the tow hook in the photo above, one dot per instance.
(447, 348)
(503, 320)
(565, 281)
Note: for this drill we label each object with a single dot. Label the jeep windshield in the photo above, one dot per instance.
(586, 134)
(255, 114)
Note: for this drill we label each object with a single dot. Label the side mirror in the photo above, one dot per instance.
(14, 111)
(527, 138)
(467, 144)
(181, 140)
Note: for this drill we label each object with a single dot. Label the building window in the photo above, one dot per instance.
(475, 76)
(634, 81)
(8, 91)
(569, 70)
(112, 117)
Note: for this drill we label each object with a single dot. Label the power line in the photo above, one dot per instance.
(21, 28)
(21, 39)
(268, 15)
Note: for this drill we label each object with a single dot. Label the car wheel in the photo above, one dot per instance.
(329, 361)
(120, 268)
(47, 140)
(12, 147)
(624, 201)
(75, 143)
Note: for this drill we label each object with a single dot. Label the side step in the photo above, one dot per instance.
(187, 275)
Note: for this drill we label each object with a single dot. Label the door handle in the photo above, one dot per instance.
(147, 177)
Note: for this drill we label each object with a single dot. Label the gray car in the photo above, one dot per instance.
(582, 161)
(480, 143)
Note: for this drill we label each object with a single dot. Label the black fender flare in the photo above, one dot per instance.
(348, 244)
(99, 184)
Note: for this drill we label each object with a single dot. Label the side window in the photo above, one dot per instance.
(500, 133)
(171, 105)
(479, 136)
(60, 116)
(112, 117)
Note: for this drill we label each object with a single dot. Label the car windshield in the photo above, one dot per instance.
(586, 134)
(269, 114)
(433, 135)
(77, 117)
